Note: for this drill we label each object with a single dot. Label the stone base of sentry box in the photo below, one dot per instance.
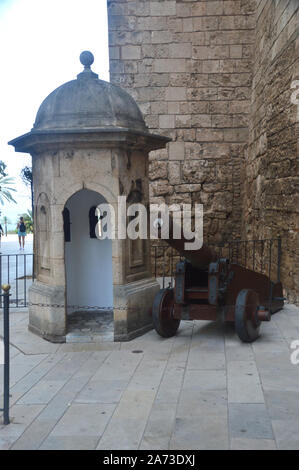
(133, 308)
(45, 318)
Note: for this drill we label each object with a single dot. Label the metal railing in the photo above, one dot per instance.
(262, 256)
(16, 270)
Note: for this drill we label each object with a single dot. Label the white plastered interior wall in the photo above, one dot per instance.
(89, 276)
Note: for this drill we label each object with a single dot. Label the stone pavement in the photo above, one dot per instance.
(202, 389)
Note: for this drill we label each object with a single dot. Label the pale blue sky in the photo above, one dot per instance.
(41, 43)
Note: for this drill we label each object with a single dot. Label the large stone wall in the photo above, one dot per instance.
(216, 77)
(188, 64)
(271, 199)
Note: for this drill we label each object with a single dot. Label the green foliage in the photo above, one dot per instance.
(6, 189)
(2, 168)
(5, 221)
(26, 175)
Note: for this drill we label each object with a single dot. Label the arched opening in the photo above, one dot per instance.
(88, 263)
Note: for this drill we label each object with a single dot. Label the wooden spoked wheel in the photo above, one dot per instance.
(247, 323)
(163, 321)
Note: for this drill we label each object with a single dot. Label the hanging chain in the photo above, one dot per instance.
(78, 307)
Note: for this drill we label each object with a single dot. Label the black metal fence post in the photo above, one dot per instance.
(6, 294)
(6, 289)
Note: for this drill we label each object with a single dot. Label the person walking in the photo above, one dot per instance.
(21, 227)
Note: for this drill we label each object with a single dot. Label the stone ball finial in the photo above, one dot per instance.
(86, 59)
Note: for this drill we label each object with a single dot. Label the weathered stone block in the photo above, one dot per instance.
(138, 8)
(214, 7)
(176, 150)
(183, 10)
(158, 107)
(211, 66)
(188, 188)
(222, 120)
(199, 8)
(159, 37)
(130, 52)
(232, 7)
(209, 135)
(198, 171)
(149, 23)
(175, 94)
(173, 107)
(160, 188)
(204, 93)
(235, 52)
(169, 65)
(187, 24)
(165, 8)
(136, 320)
(175, 25)
(180, 79)
(183, 120)
(166, 121)
(201, 120)
(205, 23)
(48, 322)
(174, 172)
(114, 53)
(158, 170)
(180, 50)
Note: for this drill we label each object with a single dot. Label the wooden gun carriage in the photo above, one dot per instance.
(209, 287)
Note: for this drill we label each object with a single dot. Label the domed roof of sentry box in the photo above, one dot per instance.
(88, 103)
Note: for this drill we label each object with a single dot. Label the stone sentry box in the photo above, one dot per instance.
(89, 144)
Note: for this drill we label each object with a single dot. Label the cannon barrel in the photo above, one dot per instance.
(199, 258)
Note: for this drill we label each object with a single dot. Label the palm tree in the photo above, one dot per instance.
(5, 189)
(26, 175)
(6, 221)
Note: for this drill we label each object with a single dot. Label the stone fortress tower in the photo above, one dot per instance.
(89, 145)
(217, 77)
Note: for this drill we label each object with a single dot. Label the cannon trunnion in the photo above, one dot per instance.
(217, 290)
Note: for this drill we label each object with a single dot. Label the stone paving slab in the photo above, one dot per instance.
(127, 425)
(243, 382)
(286, 432)
(203, 403)
(282, 405)
(87, 420)
(207, 433)
(171, 384)
(159, 427)
(202, 389)
(252, 444)
(250, 421)
(69, 443)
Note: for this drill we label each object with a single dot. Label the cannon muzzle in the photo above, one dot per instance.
(199, 258)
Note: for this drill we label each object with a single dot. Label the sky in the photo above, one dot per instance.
(41, 41)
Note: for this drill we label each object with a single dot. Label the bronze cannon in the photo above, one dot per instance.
(208, 287)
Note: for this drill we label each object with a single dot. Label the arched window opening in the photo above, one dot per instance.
(95, 224)
(66, 225)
